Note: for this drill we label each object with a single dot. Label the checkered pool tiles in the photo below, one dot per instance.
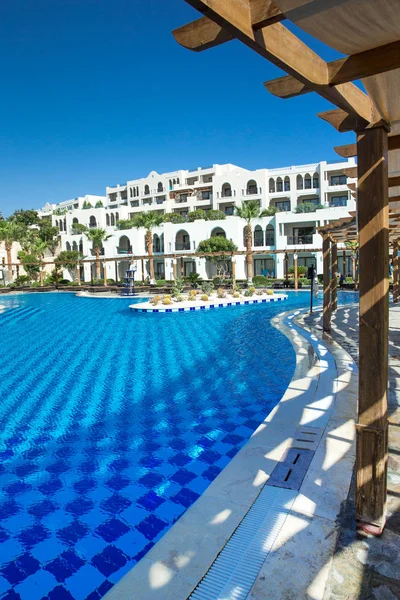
(112, 425)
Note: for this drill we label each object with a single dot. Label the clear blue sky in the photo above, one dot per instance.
(95, 92)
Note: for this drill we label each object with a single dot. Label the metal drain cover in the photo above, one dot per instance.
(290, 472)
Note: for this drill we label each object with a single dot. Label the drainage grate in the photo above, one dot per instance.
(307, 438)
(235, 569)
(290, 472)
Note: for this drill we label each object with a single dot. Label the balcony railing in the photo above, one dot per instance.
(299, 240)
(226, 194)
(181, 200)
(269, 241)
(251, 191)
(182, 246)
(124, 250)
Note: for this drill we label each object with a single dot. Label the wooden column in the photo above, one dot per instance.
(395, 260)
(372, 427)
(344, 263)
(286, 267)
(334, 275)
(296, 275)
(105, 273)
(233, 268)
(326, 251)
(78, 273)
(142, 264)
(356, 263)
(116, 271)
(174, 267)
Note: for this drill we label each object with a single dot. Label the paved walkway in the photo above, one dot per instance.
(366, 567)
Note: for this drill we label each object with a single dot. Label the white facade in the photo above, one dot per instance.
(220, 187)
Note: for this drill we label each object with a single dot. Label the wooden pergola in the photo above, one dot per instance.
(367, 32)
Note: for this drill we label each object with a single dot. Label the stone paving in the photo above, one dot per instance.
(365, 567)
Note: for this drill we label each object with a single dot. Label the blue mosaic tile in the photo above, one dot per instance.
(65, 565)
(111, 559)
(151, 527)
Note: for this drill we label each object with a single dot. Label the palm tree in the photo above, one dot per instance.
(249, 211)
(97, 236)
(10, 232)
(149, 220)
(353, 247)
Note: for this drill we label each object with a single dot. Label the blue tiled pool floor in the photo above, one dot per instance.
(113, 424)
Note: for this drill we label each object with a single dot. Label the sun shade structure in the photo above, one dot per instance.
(368, 33)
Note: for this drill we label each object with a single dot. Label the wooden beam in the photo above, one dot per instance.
(395, 261)
(357, 66)
(201, 35)
(394, 181)
(394, 142)
(346, 151)
(326, 257)
(280, 46)
(372, 434)
(342, 121)
(264, 13)
(350, 172)
(334, 276)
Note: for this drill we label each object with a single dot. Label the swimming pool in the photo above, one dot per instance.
(112, 425)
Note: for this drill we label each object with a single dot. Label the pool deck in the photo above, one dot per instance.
(320, 400)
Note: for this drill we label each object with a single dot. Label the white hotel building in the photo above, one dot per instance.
(219, 187)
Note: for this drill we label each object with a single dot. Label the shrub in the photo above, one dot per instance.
(166, 300)
(307, 207)
(269, 292)
(160, 282)
(260, 280)
(179, 298)
(178, 287)
(215, 215)
(216, 244)
(173, 218)
(204, 297)
(349, 280)
(207, 287)
(197, 214)
(301, 270)
(236, 295)
(252, 289)
(192, 295)
(99, 204)
(194, 279)
(155, 300)
(248, 293)
(221, 293)
(259, 292)
(64, 282)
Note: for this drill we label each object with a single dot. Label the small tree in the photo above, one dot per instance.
(97, 237)
(10, 231)
(197, 214)
(249, 211)
(86, 205)
(99, 204)
(148, 221)
(220, 249)
(123, 224)
(69, 259)
(78, 228)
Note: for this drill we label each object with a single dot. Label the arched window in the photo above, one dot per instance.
(226, 190)
(251, 187)
(162, 242)
(56, 223)
(177, 181)
(315, 180)
(124, 245)
(182, 240)
(107, 220)
(74, 246)
(307, 182)
(270, 236)
(112, 220)
(65, 224)
(279, 185)
(258, 236)
(299, 182)
(174, 181)
(160, 187)
(286, 184)
(271, 185)
(81, 246)
(75, 221)
(116, 217)
(146, 190)
(92, 221)
(156, 244)
(218, 232)
(137, 191)
(61, 225)
(68, 247)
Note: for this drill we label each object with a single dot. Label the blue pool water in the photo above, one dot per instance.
(112, 425)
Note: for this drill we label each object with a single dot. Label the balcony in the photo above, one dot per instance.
(251, 191)
(182, 246)
(180, 200)
(124, 250)
(269, 241)
(299, 241)
(226, 194)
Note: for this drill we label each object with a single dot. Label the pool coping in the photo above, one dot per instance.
(323, 390)
(187, 306)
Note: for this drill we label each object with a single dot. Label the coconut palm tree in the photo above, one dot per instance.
(249, 211)
(97, 237)
(10, 232)
(353, 247)
(148, 220)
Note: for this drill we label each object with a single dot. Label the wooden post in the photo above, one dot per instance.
(356, 263)
(142, 263)
(334, 276)
(116, 271)
(326, 251)
(344, 263)
(105, 273)
(296, 275)
(174, 267)
(286, 268)
(233, 268)
(395, 259)
(78, 272)
(372, 427)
